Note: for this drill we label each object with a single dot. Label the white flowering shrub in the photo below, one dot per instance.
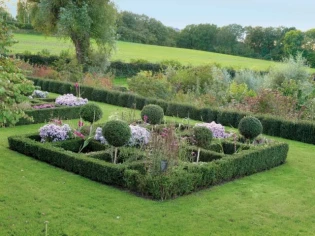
(139, 136)
(218, 130)
(71, 100)
(53, 132)
(39, 94)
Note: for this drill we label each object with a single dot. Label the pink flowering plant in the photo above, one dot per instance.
(218, 130)
(71, 100)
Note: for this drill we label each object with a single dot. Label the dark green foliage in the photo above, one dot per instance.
(123, 69)
(116, 132)
(39, 59)
(45, 115)
(86, 92)
(105, 155)
(202, 136)
(91, 112)
(184, 179)
(113, 97)
(250, 127)
(123, 99)
(271, 124)
(154, 114)
(74, 162)
(140, 102)
(183, 111)
(205, 155)
(99, 95)
(208, 115)
(229, 118)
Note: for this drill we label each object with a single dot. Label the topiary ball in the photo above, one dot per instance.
(250, 127)
(152, 114)
(116, 132)
(203, 136)
(91, 113)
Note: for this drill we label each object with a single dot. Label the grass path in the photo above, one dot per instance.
(275, 202)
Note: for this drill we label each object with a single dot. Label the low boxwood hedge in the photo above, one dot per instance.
(185, 178)
(45, 115)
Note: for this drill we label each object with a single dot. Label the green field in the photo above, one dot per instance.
(275, 202)
(126, 51)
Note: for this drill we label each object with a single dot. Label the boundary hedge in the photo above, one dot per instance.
(186, 178)
(303, 131)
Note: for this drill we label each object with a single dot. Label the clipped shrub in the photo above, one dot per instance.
(250, 127)
(203, 136)
(116, 132)
(91, 113)
(153, 113)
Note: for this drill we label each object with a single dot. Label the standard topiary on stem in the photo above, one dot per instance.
(91, 113)
(250, 127)
(152, 114)
(117, 133)
(203, 137)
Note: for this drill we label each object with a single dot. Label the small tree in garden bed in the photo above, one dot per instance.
(250, 127)
(91, 113)
(152, 114)
(117, 133)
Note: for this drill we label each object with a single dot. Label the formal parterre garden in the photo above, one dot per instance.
(147, 155)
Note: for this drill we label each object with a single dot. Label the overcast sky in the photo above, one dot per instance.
(178, 14)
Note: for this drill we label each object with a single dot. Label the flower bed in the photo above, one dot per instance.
(222, 161)
(71, 100)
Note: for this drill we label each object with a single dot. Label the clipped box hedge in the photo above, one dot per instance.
(45, 115)
(184, 179)
(303, 131)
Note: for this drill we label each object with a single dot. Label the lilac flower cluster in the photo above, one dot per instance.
(39, 94)
(217, 129)
(71, 100)
(139, 136)
(99, 136)
(43, 106)
(53, 133)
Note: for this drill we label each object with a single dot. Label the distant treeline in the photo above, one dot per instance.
(270, 43)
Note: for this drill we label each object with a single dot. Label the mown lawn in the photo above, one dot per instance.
(275, 202)
(126, 51)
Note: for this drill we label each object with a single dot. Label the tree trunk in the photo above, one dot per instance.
(198, 155)
(82, 47)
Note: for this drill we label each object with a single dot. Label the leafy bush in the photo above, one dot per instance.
(147, 84)
(202, 136)
(152, 114)
(116, 132)
(250, 127)
(91, 113)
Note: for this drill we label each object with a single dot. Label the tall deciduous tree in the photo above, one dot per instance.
(80, 20)
(293, 42)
